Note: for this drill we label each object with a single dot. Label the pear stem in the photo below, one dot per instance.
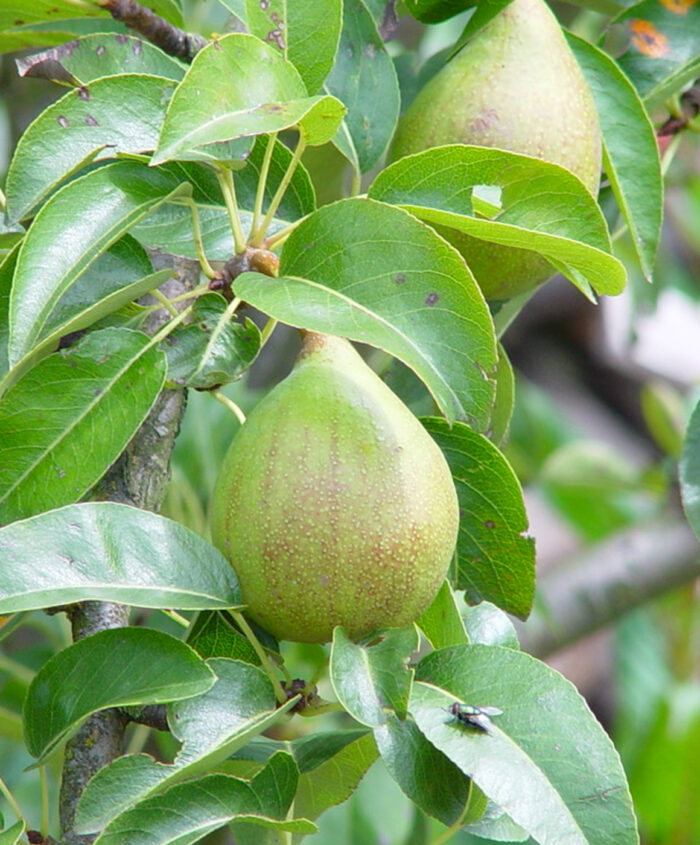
(230, 404)
(242, 623)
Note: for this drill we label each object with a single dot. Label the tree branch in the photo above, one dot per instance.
(171, 39)
(139, 478)
(607, 580)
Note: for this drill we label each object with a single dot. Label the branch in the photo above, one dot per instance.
(608, 580)
(171, 39)
(139, 478)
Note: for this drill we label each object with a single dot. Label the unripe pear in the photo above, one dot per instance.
(333, 504)
(516, 86)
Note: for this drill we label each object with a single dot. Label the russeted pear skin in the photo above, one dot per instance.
(516, 86)
(333, 504)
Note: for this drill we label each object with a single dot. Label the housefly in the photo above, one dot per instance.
(474, 717)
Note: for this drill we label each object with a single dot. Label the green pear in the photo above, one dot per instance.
(333, 504)
(516, 86)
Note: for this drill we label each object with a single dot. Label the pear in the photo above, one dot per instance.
(333, 504)
(516, 86)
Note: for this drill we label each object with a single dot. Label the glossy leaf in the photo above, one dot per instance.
(362, 68)
(118, 114)
(544, 207)
(213, 349)
(126, 666)
(373, 273)
(104, 551)
(100, 54)
(7, 272)
(265, 94)
(545, 760)
(370, 679)
(664, 46)
(211, 727)
(70, 232)
(11, 835)
(427, 776)
(495, 559)
(504, 401)
(21, 12)
(630, 152)
(54, 444)
(488, 625)
(435, 11)
(306, 33)
(189, 811)
(690, 471)
(441, 623)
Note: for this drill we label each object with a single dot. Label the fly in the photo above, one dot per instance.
(474, 717)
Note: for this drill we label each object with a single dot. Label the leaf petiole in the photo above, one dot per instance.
(259, 235)
(242, 623)
(262, 183)
(225, 177)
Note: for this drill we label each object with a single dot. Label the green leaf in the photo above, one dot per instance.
(664, 46)
(54, 444)
(505, 399)
(118, 114)
(362, 68)
(545, 760)
(306, 33)
(373, 273)
(544, 207)
(11, 835)
(189, 811)
(213, 349)
(630, 152)
(427, 776)
(212, 635)
(20, 12)
(441, 623)
(7, 272)
(126, 666)
(435, 11)
(690, 472)
(370, 679)
(264, 93)
(211, 727)
(100, 54)
(70, 232)
(331, 767)
(488, 625)
(495, 560)
(103, 551)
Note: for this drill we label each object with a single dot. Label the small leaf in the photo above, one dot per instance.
(441, 623)
(7, 272)
(211, 727)
(212, 635)
(428, 778)
(54, 443)
(306, 33)
(373, 273)
(265, 94)
(83, 60)
(103, 551)
(121, 114)
(370, 679)
(495, 560)
(189, 811)
(213, 349)
(71, 231)
(664, 46)
(488, 625)
(630, 151)
(545, 760)
(125, 665)
(11, 835)
(363, 67)
(544, 207)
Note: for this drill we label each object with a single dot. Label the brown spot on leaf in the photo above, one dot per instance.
(19, 23)
(400, 278)
(137, 49)
(431, 299)
(62, 121)
(679, 7)
(90, 120)
(100, 50)
(120, 38)
(489, 524)
(83, 93)
(647, 39)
